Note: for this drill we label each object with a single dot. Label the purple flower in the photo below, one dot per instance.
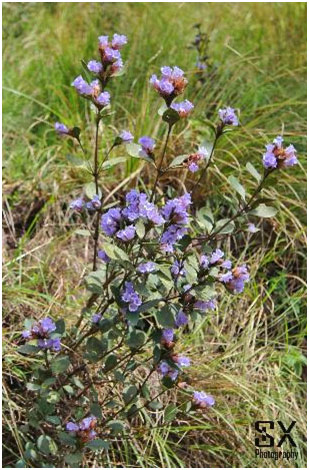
(182, 361)
(181, 319)
(227, 264)
(103, 41)
(193, 167)
(228, 116)
(168, 335)
(111, 55)
(77, 205)
(119, 40)
(252, 228)
(61, 129)
(126, 136)
(47, 325)
(277, 156)
(171, 83)
(183, 109)
(110, 221)
(96, 318)
(116, 67)
(149, 210)
(175, 210)
(72, 427)
(204, 261)
(103, 256)
(235, 280)
(95, 203)
(127, 233)
(131, 297)
(216, 256)
(87, 423)
(165, 369)
(94, 66)
(177, 269)
(205, 305)
(81, 86)
(200, 65)
(103, 99)
(41, 331)
(203, 400)
(147, 144)
(172, 235)
(148, 267)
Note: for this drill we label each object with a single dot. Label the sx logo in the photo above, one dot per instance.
(267, 440)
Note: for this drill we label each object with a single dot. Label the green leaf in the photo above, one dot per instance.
(83, 232)
(134, 151)
(136, 339)
(264, 211)
(166, 316)
(114, 252)
(46, 445)
(155, 405)
(98, 444)
(60, 365)
(234, 182)
(229, 228)
(94, 281)
(162, 109)
(205, 218)
(140, 228)
(54, 420)
(73, 459)
(33, 387)
(116, 426)
(69, 389)
(76, 161)
(90, 190)
(67, 438)
(114, 161)
(111, 362)
(146, 306)
(28, 349)
(170, 116)
(178, 160)
(60, 326)
(76, 132)
(96, 410)
(253, 172)
(170, 412)
(129, 393)
(204, 292)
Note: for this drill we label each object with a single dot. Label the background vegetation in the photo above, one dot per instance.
(250, 354)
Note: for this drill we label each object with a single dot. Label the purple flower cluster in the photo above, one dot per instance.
(205, 305)
(175, 214)
(181, 319)
(194, 160)
(119, 221)
(236, 278)
(79, 204)
(202, 400)
(147, 144)
(84, 430)
(277, 156)
(92, 91)
(111, 61)
(126, 137)
(184, 108)
(131, 297)
(171, 83)
(228, 116)
(61, 129)
(41, 331)
(146, 268)
(103, 256)
(177, 269)
(96, 317)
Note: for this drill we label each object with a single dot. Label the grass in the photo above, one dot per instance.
(250, 353)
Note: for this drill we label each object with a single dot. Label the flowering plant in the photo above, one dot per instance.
(157, 267)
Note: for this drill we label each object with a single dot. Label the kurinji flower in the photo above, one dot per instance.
(147, 144)
(205, 305)
(166, 370)
(204, 261)
(84, 430)
(131, 297)
(172, 235)
(227, 264)
(277, 156)
(116, 67)
(216, 256)
(235, 280)
(126, 136)
(175, 210)
(177, 269)
(103, 256)
(103, 41)
(82, 87)
(110, 221)
(42, 331)
(182, 361)
(203, 400)
(148, 267)
(171, 83)
(77, 205)
(149, 210)
(127, 233)
(61, 129)
(200, 65)
(228, 116)
(181, 319)
(96, 318)
(168, 335)
(94, 66)
(95, 203)
(110, 55)
(119, 40)
(103, 99)
(252, 228)
(195, 159)
(183, 109)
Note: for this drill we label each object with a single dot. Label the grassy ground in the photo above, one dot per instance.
(250, 353)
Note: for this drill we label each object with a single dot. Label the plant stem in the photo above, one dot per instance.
(96, 181)
(159, 167)
(218, 133)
